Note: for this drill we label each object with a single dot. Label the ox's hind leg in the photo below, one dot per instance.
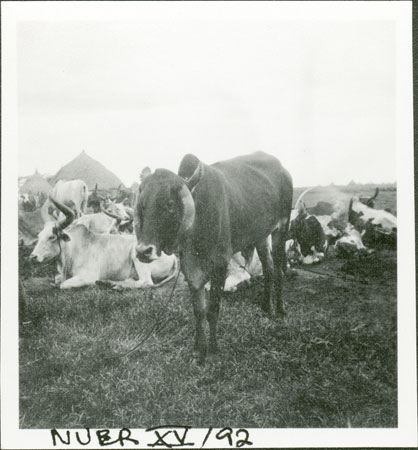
(264, 252)
(216, 288)
(279, 236)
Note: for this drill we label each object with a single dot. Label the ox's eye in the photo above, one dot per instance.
(52, 237)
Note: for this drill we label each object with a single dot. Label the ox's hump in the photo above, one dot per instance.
(188, 165)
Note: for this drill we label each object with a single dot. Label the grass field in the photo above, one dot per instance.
(331, 362)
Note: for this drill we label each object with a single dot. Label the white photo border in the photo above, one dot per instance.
(405, 435)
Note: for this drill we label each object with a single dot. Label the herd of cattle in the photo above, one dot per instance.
(227, 222)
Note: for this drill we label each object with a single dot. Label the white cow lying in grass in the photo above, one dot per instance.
(241, 269)
(85, 257)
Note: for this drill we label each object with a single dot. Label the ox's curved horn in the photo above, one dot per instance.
(196, 177)
(350, 212)
(302, 195)
(189, 210)
(69, 213)
(108, 213)
(301, 208)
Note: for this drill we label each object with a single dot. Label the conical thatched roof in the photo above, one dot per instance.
(85, 168)
(35, 183)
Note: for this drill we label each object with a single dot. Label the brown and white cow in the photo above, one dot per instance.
(306, 231)
(377, 227)
(209, 213)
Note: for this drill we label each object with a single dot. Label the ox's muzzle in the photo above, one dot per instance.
(146, 253)
(36, 257)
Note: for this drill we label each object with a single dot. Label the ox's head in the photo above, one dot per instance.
(122, 214)
(164, 212)
(52, 237)
(96, 199)
(298, 222)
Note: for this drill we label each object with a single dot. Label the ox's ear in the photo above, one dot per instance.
(146, 172)
(194, 180)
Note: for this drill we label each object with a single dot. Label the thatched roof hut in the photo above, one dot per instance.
(36, 183)
(92, 172)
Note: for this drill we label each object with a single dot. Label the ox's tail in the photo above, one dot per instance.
(171, 276)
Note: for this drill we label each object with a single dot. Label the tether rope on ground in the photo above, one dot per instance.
(156, 327)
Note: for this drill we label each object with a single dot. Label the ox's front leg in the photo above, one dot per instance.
(279, 237)
(216, 289)
(199, 301)
(77, 281)
(264, 252)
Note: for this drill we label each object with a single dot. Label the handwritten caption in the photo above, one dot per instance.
(165, 436)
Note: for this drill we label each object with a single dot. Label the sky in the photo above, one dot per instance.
(319, 95)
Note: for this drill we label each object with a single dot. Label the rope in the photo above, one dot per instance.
(343, 277)
(158, 326)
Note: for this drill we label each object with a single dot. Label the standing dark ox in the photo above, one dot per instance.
(209, 213)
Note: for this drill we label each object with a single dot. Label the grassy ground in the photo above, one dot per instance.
(330, 363)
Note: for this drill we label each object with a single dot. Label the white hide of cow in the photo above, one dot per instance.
(383, 219)
(103, 222)
(75, 191)
(295, 257)
(84, 257)
(97, 222)
(241, 269)
(351, 238)
(329, 230)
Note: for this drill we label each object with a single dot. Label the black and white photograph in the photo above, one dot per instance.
(207, 225)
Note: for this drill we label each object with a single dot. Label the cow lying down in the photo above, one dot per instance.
(85, 257)
(241, 269)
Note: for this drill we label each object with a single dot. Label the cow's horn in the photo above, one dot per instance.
(196, 177)
(69, 213)
(301, 208)
(108, 213)
(350, 211)
(302, 195)
(375, 194)
(188, 210)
